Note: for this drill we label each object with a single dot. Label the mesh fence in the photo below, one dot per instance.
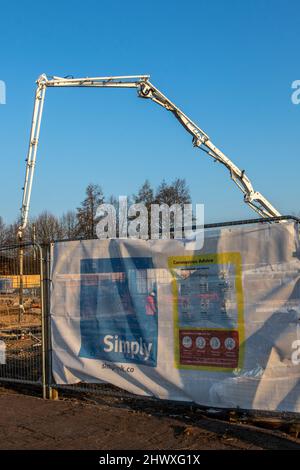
(145, 281)
(25, 347)
(20, 314)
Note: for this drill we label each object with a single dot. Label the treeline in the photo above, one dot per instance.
(81, 223)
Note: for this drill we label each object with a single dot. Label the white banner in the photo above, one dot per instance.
(219, 327)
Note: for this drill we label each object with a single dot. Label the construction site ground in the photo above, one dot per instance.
(106, 423)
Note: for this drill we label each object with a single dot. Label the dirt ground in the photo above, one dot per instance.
(102, 423)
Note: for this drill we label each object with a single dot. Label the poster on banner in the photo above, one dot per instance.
(118, 320)
(217, 326)
(208, 311)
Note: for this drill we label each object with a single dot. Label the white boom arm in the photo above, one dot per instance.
(145, 90)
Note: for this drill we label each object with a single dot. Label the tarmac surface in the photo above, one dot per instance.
(103, 423)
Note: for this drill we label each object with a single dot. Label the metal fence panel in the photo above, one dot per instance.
(25, 330)
(110, 389)
(20, 314)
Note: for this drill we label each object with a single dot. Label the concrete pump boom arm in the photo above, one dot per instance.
(145, 90)
(254, 199)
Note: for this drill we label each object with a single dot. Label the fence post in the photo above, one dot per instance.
(21, 285)
(44, 303)
(48, 391)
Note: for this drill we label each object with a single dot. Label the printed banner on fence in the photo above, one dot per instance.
(220, 326)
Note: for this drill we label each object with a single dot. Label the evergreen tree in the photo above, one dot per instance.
(87, 211)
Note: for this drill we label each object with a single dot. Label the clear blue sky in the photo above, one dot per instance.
(228, 64)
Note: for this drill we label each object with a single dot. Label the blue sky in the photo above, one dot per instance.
(228, 64)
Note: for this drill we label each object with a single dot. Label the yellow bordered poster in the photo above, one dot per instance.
(208, 311)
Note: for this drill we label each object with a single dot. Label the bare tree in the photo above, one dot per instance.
(175, 193)
(145, 195)
(3, 232)
(11, 231)
(87, 211)
(69, 225)
(47, 227)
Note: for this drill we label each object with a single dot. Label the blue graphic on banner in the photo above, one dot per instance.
(118, 310)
